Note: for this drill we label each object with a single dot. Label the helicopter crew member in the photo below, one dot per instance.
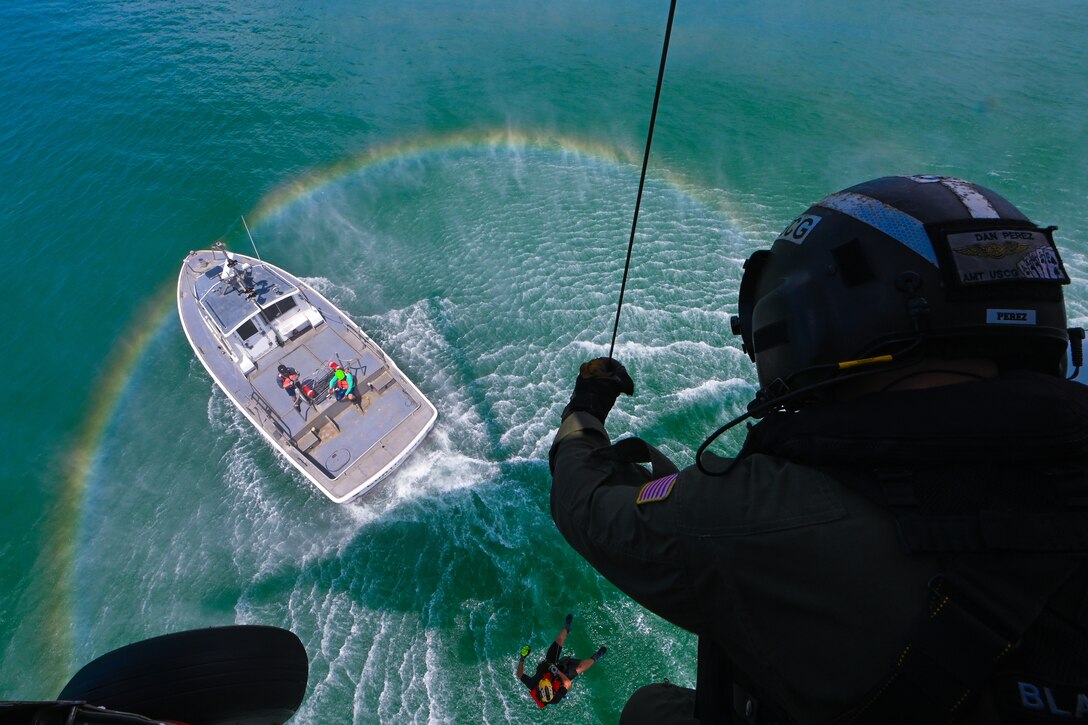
(902, 536)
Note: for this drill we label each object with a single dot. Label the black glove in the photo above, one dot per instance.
(599, 383)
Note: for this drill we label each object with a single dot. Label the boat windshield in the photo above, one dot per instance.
(232, 303)
(277, 308)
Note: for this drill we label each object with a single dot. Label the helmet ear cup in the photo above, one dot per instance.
(749, 283)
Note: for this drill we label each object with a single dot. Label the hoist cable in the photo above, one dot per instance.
(642, 179)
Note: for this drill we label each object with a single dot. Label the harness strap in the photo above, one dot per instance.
(1058, 523)
(1049, 531)
(750, 709)
(980, 608)
(723, 694)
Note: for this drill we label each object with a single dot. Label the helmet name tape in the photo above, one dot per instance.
(897, 224)
(1010, 317)
(799, 228)
(1003, 255)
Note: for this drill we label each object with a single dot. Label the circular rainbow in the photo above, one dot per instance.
(55, 632)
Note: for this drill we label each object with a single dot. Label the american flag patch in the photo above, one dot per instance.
(656, 490)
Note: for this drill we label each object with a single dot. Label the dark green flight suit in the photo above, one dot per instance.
(800, 580)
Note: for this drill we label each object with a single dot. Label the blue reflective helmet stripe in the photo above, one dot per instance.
(897, 224)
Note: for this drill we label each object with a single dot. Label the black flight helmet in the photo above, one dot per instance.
(902, 264)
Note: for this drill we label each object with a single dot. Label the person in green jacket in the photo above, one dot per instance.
(342, 382)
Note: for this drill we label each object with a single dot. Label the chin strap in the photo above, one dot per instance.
(1076, 349)
(780, 393)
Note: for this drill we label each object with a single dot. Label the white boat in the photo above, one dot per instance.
(268, 339)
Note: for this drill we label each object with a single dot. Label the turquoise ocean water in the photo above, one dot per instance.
(460, 176)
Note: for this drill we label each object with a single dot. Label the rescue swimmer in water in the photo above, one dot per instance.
(554, 675)
(903, 536)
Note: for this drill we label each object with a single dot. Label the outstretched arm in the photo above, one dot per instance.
(594, 505)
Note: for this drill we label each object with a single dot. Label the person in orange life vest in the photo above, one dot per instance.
(342, 383)
(287, 378)
(553, 676)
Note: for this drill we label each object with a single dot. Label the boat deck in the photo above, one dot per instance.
(331, 433)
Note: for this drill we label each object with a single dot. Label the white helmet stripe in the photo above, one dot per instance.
(897, 224)
(977, 204)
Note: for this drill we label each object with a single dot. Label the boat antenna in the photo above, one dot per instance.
(255, 252)
(642, 179)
